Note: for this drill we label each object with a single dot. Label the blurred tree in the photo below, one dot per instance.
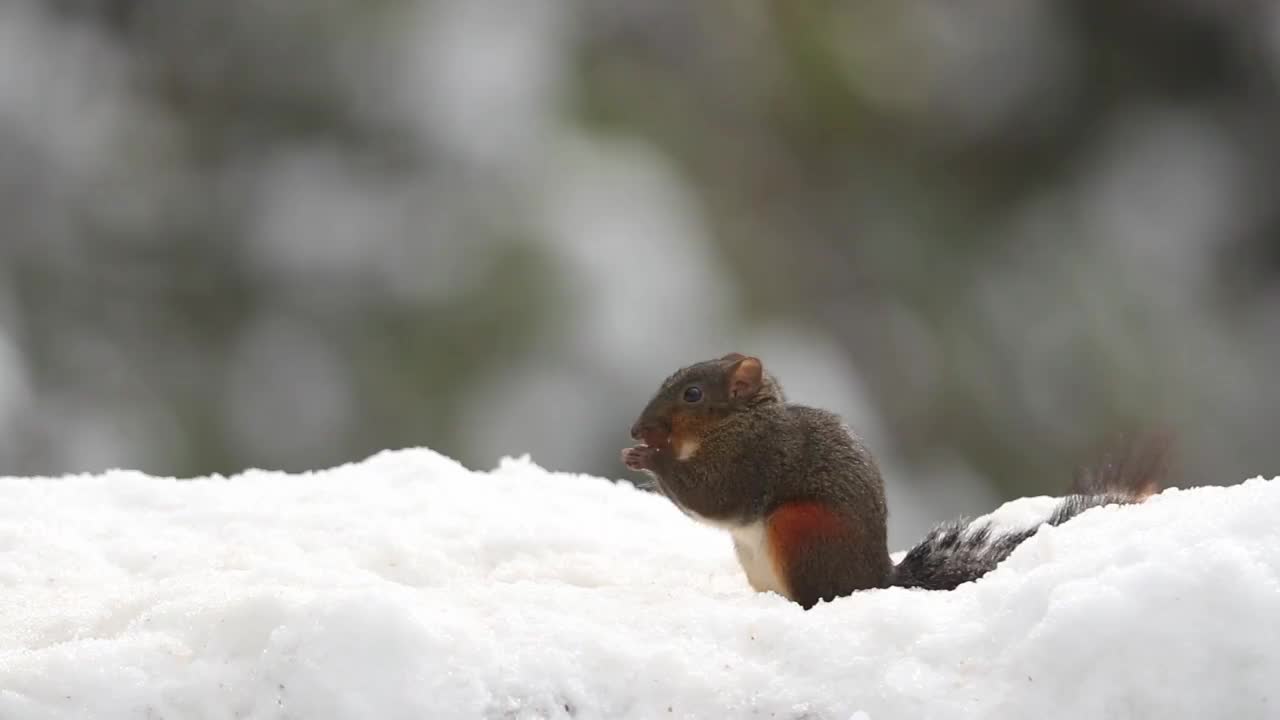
(246, 214)
(927, 180)
(294, 234)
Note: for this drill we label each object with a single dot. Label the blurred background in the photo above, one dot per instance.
(291, 234)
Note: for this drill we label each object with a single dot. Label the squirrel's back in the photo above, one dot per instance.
(838, 464)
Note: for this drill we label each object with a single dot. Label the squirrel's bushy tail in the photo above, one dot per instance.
(1137, 467)
(956, 552)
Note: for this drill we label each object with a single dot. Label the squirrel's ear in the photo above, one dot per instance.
(733, 357)
(745, 377)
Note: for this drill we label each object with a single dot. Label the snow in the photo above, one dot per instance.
(407, 586)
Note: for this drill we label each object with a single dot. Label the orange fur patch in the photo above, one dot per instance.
(687, 430)
(799, 528)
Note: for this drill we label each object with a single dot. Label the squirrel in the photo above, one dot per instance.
(802, 496)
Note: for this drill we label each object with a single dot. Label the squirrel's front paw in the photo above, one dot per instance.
(639, 457)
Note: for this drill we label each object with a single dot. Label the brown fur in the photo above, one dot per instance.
(1136, 466)
(758, 454)
(802, 476)
(686, 429)
(809, 542)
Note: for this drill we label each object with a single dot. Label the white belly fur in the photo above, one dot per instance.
(750, 543)
(752, 548)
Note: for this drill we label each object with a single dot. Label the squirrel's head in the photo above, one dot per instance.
(696, 399)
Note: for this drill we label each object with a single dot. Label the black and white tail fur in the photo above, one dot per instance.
(955, 553)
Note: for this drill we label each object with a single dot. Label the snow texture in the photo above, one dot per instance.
(409, 587)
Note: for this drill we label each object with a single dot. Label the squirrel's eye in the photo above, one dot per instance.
(692, 394)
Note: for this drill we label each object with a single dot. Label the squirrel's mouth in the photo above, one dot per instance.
(651, 434)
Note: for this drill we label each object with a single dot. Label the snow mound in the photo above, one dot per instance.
(407, 586)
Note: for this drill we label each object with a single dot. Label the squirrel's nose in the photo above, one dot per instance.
(648, 431)
(642, 428)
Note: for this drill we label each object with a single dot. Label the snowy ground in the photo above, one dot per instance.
(409, 587)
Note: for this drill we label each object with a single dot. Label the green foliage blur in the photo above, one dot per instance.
(293, 234)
